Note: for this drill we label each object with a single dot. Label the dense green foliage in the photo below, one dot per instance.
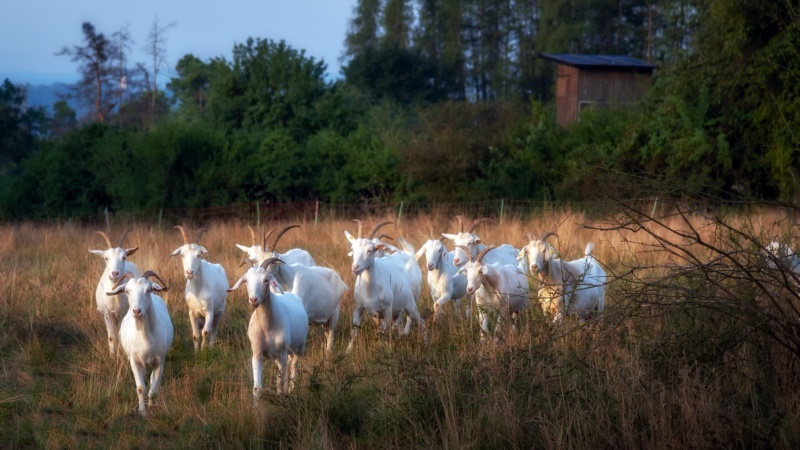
(452, 106)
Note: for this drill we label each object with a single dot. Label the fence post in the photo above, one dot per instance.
(258, 215)
(399, 214)
(316, 214)
(655, 204)
(108, 222)
(160, 212)
(502, 209)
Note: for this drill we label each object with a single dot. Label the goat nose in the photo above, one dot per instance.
(115, 274)
(137, 311)
(430, 266)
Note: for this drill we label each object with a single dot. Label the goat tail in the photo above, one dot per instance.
(407, 247)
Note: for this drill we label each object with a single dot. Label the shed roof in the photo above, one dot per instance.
(599, 61)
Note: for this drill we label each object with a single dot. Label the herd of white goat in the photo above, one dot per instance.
(288, 292)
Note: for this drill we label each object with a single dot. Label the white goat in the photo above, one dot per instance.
(444, 282)
(320, 289)
(206, 286)
(782, 255)
(504, 254)
(258, 253)
(405, 258)
(498, 288)
(113, 308)
(566, 287)
(278, 328)
(382, 287)
(146, 332)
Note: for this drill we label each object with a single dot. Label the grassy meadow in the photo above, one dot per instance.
(696, 350)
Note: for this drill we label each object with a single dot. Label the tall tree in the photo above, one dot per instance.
(97, 85)
(19, 126)
(397, 18)
(190, 87)
(156, 47)
(124, 42)
(364, 29)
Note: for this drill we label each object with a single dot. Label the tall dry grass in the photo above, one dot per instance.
(664, 369)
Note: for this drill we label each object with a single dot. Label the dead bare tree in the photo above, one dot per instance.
(155, 47)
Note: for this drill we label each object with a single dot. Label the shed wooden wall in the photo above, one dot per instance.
(576, 89)
(566, 95)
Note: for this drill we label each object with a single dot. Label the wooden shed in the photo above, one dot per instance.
(597, 81)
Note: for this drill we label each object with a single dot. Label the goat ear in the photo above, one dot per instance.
(202, 250)
(157, 287)
(98, 252)
(381, 247)
(130, 251)
(349, 253)
(478, 240)
(243, 248)
(119, 289)
(452, 237)
(176, 252)
(421, 251)
(237, 284)
(349, 236)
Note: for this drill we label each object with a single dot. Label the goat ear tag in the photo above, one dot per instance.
(274, 283)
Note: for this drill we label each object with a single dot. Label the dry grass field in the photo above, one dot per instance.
(698, 349)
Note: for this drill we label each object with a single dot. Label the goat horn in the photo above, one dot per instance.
(547, 235)
(484, 252)
(477, 222)
(360, 227)
(383, 235)
(466, 250)
(124, 275)
(460, 222)
(199, 233)
(378, 227)
(268, 261)
(529, 236)
(150, 273)
(252, 234)
(105, 236)
(265, 236)
(280, 234)
(122, 238)
(183, 233)
(245, 260)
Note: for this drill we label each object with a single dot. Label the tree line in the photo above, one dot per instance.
(438, 100)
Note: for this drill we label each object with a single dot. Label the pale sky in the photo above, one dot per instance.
(32, 31)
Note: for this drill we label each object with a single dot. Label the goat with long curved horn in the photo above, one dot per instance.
(264, 237)
(123, 236)
(105, 236)
(252, 234)
(477, 222)
(547, 235)
(266, 263)
(360, 227)
(280, 234)
(378, 227)
(150, 273)
(183, 233)
(484, 252)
